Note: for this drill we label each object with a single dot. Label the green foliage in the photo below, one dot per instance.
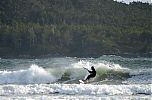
(74, 27)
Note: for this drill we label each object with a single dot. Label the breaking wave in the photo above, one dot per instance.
(34, 74)
(71, 74)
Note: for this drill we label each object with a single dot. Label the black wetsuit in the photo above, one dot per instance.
(92, 73)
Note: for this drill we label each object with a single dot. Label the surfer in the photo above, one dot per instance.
(92, 73)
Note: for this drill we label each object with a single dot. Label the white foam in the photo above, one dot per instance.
(74, 97)
(34, 74)
(76, 89)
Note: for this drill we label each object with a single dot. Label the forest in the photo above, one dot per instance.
(81, 28)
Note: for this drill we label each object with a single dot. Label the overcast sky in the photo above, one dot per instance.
(127, 1)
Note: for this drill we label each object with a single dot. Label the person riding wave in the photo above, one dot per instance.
(92, 73)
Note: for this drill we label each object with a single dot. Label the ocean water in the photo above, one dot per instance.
(118, 78)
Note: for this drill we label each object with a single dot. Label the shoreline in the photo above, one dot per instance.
(24, 56)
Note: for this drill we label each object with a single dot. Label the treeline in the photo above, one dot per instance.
(74, 27)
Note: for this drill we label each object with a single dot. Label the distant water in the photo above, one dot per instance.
(57, 78)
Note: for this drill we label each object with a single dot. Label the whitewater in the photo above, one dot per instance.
(57, 78)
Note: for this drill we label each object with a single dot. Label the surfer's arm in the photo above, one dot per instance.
(87, 70)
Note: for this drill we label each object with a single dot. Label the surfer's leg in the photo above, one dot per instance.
(88, 77)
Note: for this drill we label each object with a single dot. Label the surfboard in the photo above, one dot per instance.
(82, 82)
